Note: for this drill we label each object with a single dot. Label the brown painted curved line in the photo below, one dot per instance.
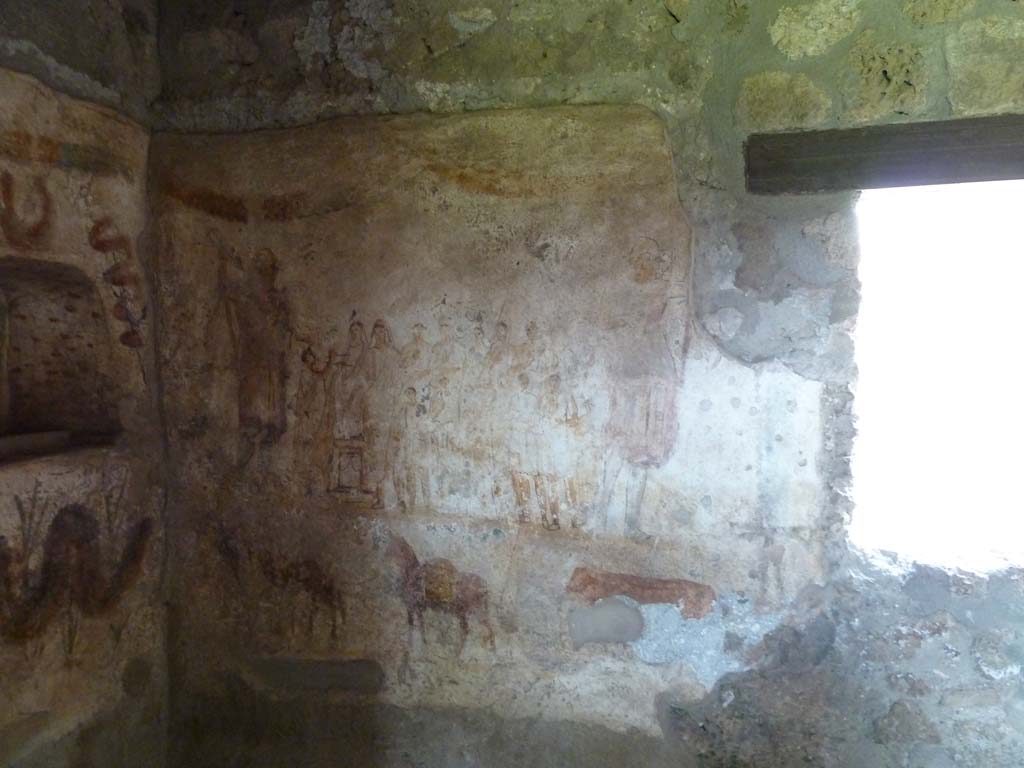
(72, 569)
(208, 201)
(20, 234)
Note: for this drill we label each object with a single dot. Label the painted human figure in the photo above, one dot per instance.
(491, 383)
(350, 384)
(350, 413)
(543, 361)
(498, 351)
(383, 360)
(382, 371)
(445, 359)
(264, 333)
(477, 353)
(471, 406)
(312, 409)
(415, 355)
(223, 332)
(533, 359)
(5, 340)
(440, 435)
(247, 339)
(409, 479)
(546, 448)
(641, 427)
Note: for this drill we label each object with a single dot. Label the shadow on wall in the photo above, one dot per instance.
(247, 727)
(57, 386)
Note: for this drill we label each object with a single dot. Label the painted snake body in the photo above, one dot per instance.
(72, 570)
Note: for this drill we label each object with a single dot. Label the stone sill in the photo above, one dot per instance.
(51, 447)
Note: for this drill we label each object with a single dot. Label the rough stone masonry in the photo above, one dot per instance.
(414, 384)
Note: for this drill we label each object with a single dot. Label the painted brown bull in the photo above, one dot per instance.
(694, 599)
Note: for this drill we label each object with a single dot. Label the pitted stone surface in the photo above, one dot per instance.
(986, 66)
(812, 28)
(774, 101)
(888, 79)
(937, 11)
(905, 722)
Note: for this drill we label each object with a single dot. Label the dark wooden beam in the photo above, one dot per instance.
(903, 155)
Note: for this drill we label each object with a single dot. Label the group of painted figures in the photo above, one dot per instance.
(453, 420)
(402, 425)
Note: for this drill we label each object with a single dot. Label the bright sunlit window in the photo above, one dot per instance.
(938, 463)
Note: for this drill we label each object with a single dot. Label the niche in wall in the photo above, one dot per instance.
(56, 387)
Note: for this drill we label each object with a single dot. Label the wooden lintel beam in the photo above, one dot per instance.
(900, 155)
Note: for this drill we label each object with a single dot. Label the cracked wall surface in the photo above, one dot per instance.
(298, 554)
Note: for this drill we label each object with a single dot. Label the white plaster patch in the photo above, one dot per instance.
(454, 96)
(725, 323)
(611, 691)
(530, 13)
(1000, 673)
(668, 637)
(751, 447)
(471, 21)
(837, 234)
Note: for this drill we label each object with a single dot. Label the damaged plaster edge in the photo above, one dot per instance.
(621, 692)
(263, 110)
(27, 58)
(698, 643)
(63, 100)
(839, 432)
(866, 565)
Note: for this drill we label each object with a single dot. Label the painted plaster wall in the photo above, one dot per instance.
(81, 621)
(869, 669)
(473, 337)
(775, 279)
